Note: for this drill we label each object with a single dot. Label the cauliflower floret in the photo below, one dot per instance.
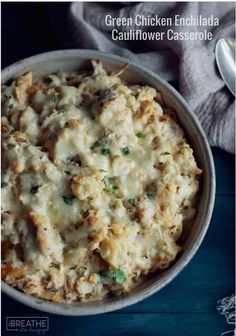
(85, 187)
(146, 212)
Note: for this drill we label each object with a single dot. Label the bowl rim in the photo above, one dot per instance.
(181, 263)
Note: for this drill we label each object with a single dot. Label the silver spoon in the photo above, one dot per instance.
(225, 59)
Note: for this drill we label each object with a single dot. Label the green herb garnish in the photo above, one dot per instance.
(4, 184)
(95, 145)
(125, 151)
(111, 192)
(34, 189)
(55, 265)
(139, 135)
(103, 171)
(68, 199)
(11, 106)
(117, 275)
(105, 151)
(132, 201)
(165, 153)
(110, 187)
(107, 191)
(151, 195)
(106, 180)
(100, 278)
(48, 80)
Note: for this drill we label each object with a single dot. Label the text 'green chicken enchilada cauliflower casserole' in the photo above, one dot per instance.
(97, 183)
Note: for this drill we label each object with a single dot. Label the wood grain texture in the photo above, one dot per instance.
(225, 167)
(137, 325)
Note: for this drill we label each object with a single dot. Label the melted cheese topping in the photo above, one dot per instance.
(98, 181)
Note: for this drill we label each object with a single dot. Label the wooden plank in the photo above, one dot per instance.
(221, 230)
(225, 167)
(136, 325)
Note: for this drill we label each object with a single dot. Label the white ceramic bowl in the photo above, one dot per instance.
(46, 63)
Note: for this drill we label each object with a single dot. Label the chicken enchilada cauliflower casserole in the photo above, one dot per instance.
(98, 182)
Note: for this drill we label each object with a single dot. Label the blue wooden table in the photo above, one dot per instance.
(187, 306)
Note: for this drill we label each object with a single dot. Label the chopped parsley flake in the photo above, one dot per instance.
(132, 201)
(55, 265)
(105, 151)
(107, 191)
(67, 172)
(103, 171)
(117, 275)
(139, 135)
(34, 189)
(4, 184)
(111, 192)
(106, 180)
(68, 199)
(165, 153)
(151, 195)
(100, 278)
(95, 145)
(110, 187)
(125, 151)
(11, 106)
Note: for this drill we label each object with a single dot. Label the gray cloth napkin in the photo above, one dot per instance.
(191, 64)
